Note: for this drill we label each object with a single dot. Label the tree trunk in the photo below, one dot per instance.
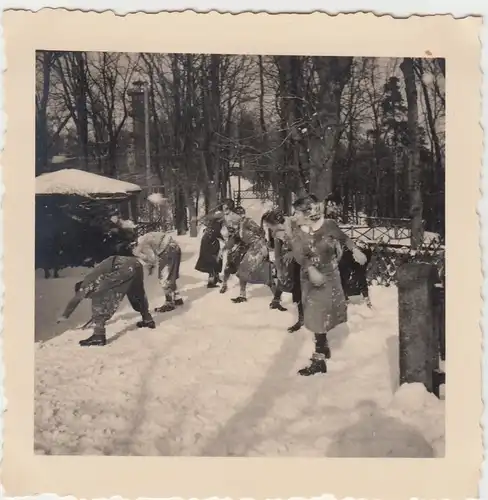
(414, 167)
(42, 136)
(81, 107)
(333, 74)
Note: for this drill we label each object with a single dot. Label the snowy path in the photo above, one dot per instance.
(219, 379)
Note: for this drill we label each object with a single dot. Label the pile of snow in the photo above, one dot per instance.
(78, 182)
(52, 296)
(413, 405)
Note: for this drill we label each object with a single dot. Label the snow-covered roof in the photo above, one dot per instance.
(78, 182)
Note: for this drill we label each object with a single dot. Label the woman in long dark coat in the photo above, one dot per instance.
(314, 241)
(210, 258)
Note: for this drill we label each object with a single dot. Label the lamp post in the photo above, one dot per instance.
(141, 85)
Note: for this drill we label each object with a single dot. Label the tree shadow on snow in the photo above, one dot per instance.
(376, 435)
(393, 352)
(275, 383)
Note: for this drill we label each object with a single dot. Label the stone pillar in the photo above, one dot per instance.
(418, 343)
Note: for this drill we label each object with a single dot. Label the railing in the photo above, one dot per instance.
(439, 311)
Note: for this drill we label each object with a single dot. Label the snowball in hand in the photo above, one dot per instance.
(157, 199)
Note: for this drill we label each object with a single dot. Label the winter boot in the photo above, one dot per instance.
(317, 365)
(322, 346)
(170, 304)
(97, 339)
(146, 324)
(294, 328)
(239, 300)
(213, 281)
(276, 304)
(178, 299)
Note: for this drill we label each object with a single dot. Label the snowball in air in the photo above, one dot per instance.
(427, 78)
(157, 199)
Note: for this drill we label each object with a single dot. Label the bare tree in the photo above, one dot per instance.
(414, 168)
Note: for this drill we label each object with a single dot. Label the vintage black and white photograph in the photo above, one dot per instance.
(239, 255)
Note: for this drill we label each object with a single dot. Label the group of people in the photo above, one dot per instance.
(314, 260)
(305, 250)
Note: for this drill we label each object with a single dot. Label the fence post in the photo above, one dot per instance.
(418, 350)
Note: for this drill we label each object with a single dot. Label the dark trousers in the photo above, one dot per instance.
(354, 275)
(104, 305)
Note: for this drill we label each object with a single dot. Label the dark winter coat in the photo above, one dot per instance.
(209, 259)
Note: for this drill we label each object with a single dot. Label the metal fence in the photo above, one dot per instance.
(439, 314)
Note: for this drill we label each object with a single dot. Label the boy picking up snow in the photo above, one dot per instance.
(159, 248)
(106, 285)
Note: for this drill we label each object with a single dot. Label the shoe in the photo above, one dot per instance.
(294, 328)
(166, 307)
(146, 324)
(223, 288)
(316, 366)
(179, 302)
(94, 340)
(275, 304)
(239, 300)
(212, 285)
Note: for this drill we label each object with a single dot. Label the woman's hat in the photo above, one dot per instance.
(275, 216)
(305, 202)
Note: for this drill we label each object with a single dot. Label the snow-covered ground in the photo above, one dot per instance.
(219, 379)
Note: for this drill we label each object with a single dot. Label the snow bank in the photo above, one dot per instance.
(415, 406)
(412, 425)
(52, 296)
(79, 182)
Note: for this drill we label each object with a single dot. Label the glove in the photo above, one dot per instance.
(315, 276)
(359, 256)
